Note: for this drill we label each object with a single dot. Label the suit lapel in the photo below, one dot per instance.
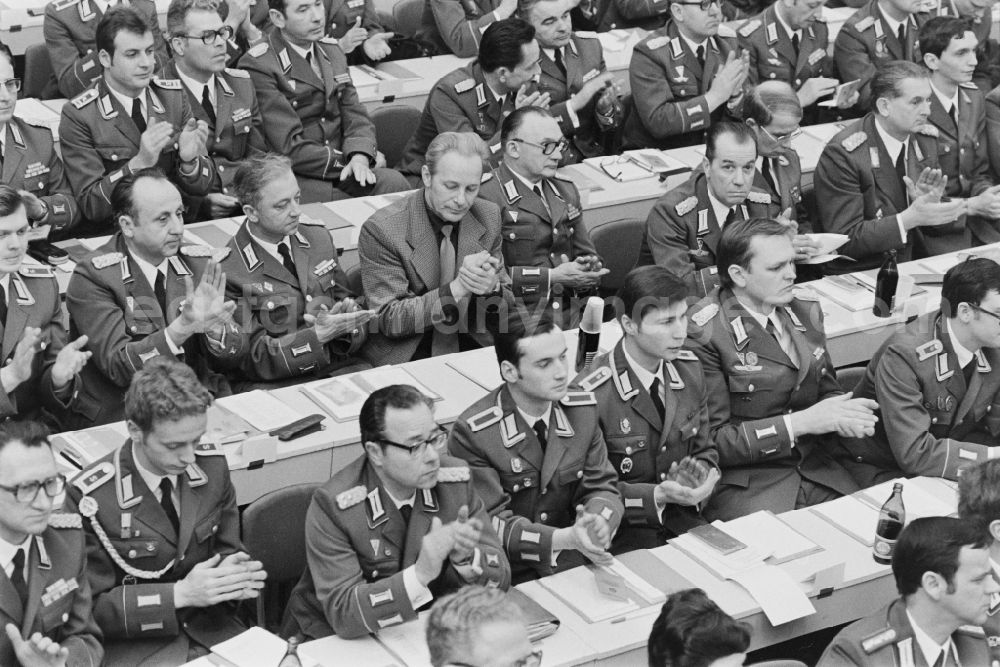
(642, 403)
(301, 70)
(326, 68)
(8, 600)
(37, 579)
(420, 524)
(514, 425)
(425, 251)
(13, 156)
(711, 239)
(123, 121)
(148, 512)
(17, 317)
(529, 200)
(556, 203)
(549, 67)
(670, 404)
(556, 446)
(941, 119)
(801, 345)
(303, 262)
(886, 178)
(189, 511)
(470, 234)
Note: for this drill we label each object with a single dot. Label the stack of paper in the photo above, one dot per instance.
(479, 366)
(619, 168)
(85, 447)
(658, 162)
(847, 291)
(852, 516)
(917, 502)
(586, 591)
(261, 410)
(342, 397)
(769, 535)
(256, 646)
(334, 651)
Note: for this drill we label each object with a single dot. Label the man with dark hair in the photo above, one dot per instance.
(692, 630)
(683, 228)
(979, 15)
(887, 160)
(45, 603)
(546, 246)
(130, 121)
(979, 504)
(942, 570)
(683, 78)
(164, 557)
(312, 109)
(653, 411)
(70, 32)
(936, 382)
(479, 626)
(538, 457)
(477, 97)
(396, 528)
(293, 301)
(457, 26)
(775, 407)
(142, 295)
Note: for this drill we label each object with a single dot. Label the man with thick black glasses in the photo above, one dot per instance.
(936, 382)
(393, 530)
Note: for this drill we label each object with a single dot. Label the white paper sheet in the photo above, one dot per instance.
(769, 535)
(917, 502)
(577, 588)
(854, 517)
(781, 599)
(255, 647)
(333, 651)
(262, 410)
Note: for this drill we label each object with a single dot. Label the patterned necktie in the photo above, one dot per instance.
(137, 117)
(17, 576)
(167, 503)
(540, 432)
(206, 104)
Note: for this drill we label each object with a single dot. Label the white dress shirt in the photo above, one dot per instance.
(197, 88)
(149, 272)
(962, 353)
(7, 552)
(272, 248)
(153, 480)
(127, 102)
(930, 648)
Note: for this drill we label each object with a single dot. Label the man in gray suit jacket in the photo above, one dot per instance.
(431, 262)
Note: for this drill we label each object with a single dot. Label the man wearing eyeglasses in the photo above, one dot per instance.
(164, 557)
(546, 246)
(45, 597)
(684, 226)
(936, 383)
(222, 97)
(684, 77)
(395, 529)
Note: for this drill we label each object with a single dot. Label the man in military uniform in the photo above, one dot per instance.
(129, 121)
(605, 15)
(45, 604)
(30, 161)
(879, 32)
(142, 295)
(979, 504)
(683, 228)
(293, 302)
(775, 407)
(457, 26)
(979, 14)
(222, 97)
(312, 109)
(477, 97)
(418, 509)
(164, 557)
(684, 77)
(942, 571)
(580, 88)
(546, 246)
(936, 382)
(893, 166)
(538, 457)
(653, 412)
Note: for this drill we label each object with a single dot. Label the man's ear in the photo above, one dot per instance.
(508, 372)
(375, 453)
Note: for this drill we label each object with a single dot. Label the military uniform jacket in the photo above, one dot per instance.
(318, 123)
(853, 162)
(134, 555)
(668, 90)
(98, 138)
(993, 131)
(992, 625)
(865, 42)
(787, 169)
(31, 163)
(272, 303)
(340, 17)
(683, 235)
(530, 492)
(110, 301)
(886, 639)
(70, 32)
(357, 546)
(460, 102)
(981, 27)
(932, 423)
(456, 26)
(59, 603)
(645, 14)
(641, 447)
(752, 384)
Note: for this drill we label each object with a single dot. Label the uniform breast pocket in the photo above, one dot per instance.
(114, 156)
(681, 91)
(273, 311)
(519, 243)
(519, 482)
(384, 565)
(57, 613)
(688, 429)
(135, 550)
(622, 452)
(208, 528)
(748, 399)
(779, 72)
(241, 133)
(139, 328)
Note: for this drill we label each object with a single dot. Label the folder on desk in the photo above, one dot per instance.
(918, 503)
(325, 214)
(581, 590)
(342, 397)
(657, 162)
(767, 533)
(394, 69)
(540, 621)
(84, 447)
(480, 366)
(213, 235)
(851, 516)
(581, 177)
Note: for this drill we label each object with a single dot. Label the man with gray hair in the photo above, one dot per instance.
(431, 261)
(479, 626)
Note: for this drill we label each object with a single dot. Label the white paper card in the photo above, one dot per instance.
(262, 410)
(781, 599)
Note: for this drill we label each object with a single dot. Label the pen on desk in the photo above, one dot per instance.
(620, 619)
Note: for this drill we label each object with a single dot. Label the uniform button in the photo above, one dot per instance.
(225, 191)
(988, 408)
(388, 552)
(694, 431)
(181, 558)
(222, 168)
(798, 82)
(175, 146)
(555, 305)
(517, 488)
(579, 474)
(934, 420)
(132, 328)
(544, 517)
(750, 388)
(41, 184)
(295, 103)
(114, 156)
(544, 491)
(859, 459)
(773, 75)
(215, 529)
(527, 483)
(89, 51)
(218, 139)
(628, 450)
(374, 573)
(150, 547)
(663, 475)
(308, 298)
(132, 553)
(663, 449)
(512, 236)
(246, 130)
(65, 617)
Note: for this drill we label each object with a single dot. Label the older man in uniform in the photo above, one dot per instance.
(293, 301)
(404, 494)
(546, 246)
(45, 602)
(979, 504)
(684, 77)
(164, 557)
(129, 121)
(538, 456)
(683, 228)
(457, 26)
(775, 406)
(653, 412)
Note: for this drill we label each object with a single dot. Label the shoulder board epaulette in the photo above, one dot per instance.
(465, 85)
(35, 271)
(969, 85)
(35, 122)
(852, 142)
(487, 175)
(208, 449)
(928, 130)
(59, 6)
(686, 355)
(257, 50)
(878, 640)
(453, 474)
(487, 417)
(705, 314)
(724, 31)
(595, 379)
(972, 631)
(351, 497)
(167, 84)
(218, 254)
(94, 477)
(749, 27)
(586, 34)
(805, 294)
(85, 98)
(685, 206)
(658, 42)
(759, 197)
(238, 73)
(329, 40)
(106, 260)
(65, 520)
(929, 349)
(575, 398)
(864, 23)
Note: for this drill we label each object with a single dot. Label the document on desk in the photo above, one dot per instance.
(333, 651)
(212, 234)
(581, 590)
(407, 642)
(480, 366)
(581, 177)
(658, 162)
(342, 397)
(256, 646)
(917, 502)
(84, 447)
(261, 410)
(850, 515)
(847, 291)
(823, 132)
(769, 535)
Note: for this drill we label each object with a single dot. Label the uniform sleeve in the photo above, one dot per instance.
(84, 166)
(489, 558)
(460, 34)
(80, 634)
(599, 483)
(659, 114)
(993, 132)
(357, 128)
(636, 10)
(200, 180)
(667, 240)
(748, 47)
(73, 72)
(842, 653)
(55, 333)
(63, 210)
(981, 178)
(851, 61)
(448, 114)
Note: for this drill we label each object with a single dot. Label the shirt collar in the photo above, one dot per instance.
(928, 646)
(551, 53)
(126, 101)
(271, 248)
(151, 479)
(531, 419)
(962, 353)
(891, 143)
(497, 96)
(3, 140)
(946, 101)
(889, 21)
(7, 551)
(301, 51)
(694, 45)
(531, 186)
(788, 28)
(411, 501)
(644, 376)
(196, 87)
(760, 318)
(721, 210)
(150, 270)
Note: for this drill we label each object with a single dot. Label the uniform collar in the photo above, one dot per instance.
(721, 210)
(928, 646)
(149, 271)
(892, 23)
(644, 376)
(127, 101)
(270, 248)
(151, 479)
(299, 50)
(196, 87)
(762, 319)
(693, 45)
(946, 102)
(411, 501)
(7, 551)
(527, 183)
(962, 353)
(531, 419)
(891, 143)
(788, 28)
(551, 53)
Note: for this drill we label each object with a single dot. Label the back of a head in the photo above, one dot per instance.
(932, 544)
(466, 144)
(979, 496)
(164, 389)
(501, 43)
(508, 333)
(455, 619)
(692, 631)
(768, 98)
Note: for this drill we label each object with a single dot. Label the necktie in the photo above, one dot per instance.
(732, 215)
(656, 393)
(160, 290)
(206, 104)
(539, 429)
(286, 259)
(901, 35)
(795, 44)
(406, 511)
(314, 65)
(167, 503)
(559, 61)
(901, 163)
(3, 305)
(700, 54)
(968, 370)
(17, 577)
(137, 117)
(772, 182)
(954, 114)
(448, 259)
(541, 195)
(784, 339)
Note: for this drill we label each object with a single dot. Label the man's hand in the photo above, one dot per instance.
(506, 9)
(851, 100)
(213, 581)
(221, 205)
(70, 361)
(157, 136)
(928, 211)
(850, 417)
(804, 247)
(728, 81)
(355, 35)
(688, 482)
(987, 203)
(36, 651)
(239, 12)
(592, 536)
(192, 140)
(931, 184)
(254, 570)
(19, 368)
(577, 273)
(531, 99)
(593, 87)
(344, 318)
(33, 206)
(204, 306)
(358, 166)
(477, 275)
(467, 533)
(434, 548)
(377, 46)
(815, 88)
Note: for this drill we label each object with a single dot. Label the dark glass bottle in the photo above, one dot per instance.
(885, 286)
(291, 658)
(891, 519)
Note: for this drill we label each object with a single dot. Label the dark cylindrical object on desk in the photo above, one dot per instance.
(885, 286)
(891, 519)
(590, 333)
